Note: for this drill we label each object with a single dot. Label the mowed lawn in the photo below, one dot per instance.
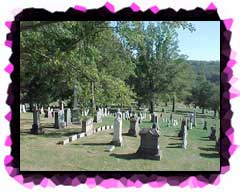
(41, 152)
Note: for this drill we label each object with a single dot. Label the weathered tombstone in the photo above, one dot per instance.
(42, 111)
(117, 130)
(134, 127)
(20, 108)
(105, 112)
(59, 119)
(205, 125)
(184, 123)
(36, 127)
(191, 120)
(212, 135)
(140, 119)
(149, 146)
(184, 144)
(153, 117)
(67, 116)
(98, 117)
(23, 108)
(87, 126)
(127, 115)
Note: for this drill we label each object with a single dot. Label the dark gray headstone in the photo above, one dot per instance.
(36, 127)
(149, 146)
(184, 123)
(212, 135)
(59, 119)
(134, 127)
(76, 116)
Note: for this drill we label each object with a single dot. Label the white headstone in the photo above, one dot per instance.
(184, 146)
(117, 129)
(42, 111)
(20, 108)
(23, 108)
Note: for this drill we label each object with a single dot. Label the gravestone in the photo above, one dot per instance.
(184, 123)
(184, 144)
(105, 112)
(20, 108)
(59, 119)
(87, 126)
(42, 111)
(23, 108)
(205, 125)
(36, 127)
(154, 117)
(140, 117)
(191, 120)
(98, 117)
(134, 127)
(127, 115)
(67, 116)
(212, 135)
(117, 130)
(149, 146)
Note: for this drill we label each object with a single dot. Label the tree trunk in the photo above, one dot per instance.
(215, 113)
(93, 98)
(173, 107)
(166, 104)
(151, 106)
(203, 110)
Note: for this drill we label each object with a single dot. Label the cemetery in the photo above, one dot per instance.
(92, 108)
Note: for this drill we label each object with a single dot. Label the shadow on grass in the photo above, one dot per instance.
(94, 144)
(175, 147)
(126, 156)
(58, 134)
(204, 139)
(170, 136)
(210, 155)
(176, 139)
(207, 149)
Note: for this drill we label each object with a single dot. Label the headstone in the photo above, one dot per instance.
(36, 127)
(212, 135)
(184, 123)
(87, 126)
(67, 116)
(191, 120)
(23, 108)
(184, 144)
(105, 112)
(76, 116)
(205, 125)
(127, 115)
(134, 126)
(117, 130)
(20, 108)
(98, 117)
(59, 119)
(149, 146)
(140, 119)
(42, 111)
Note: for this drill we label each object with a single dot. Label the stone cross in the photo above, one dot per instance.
(117, 130)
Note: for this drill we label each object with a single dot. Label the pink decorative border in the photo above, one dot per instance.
(135, 180)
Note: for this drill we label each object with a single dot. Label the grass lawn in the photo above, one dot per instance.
(40, 152)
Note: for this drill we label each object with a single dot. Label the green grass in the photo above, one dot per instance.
(40, 152)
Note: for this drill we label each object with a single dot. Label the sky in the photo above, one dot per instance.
(202, 44)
